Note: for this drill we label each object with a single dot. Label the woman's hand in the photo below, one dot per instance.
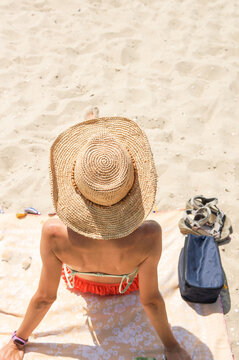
(11, 352)
(178, 353)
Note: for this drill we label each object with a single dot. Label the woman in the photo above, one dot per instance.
(103, 183)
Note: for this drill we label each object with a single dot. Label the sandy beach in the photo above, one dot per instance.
(171, 66)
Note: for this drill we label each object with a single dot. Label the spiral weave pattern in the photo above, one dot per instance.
(104, 172)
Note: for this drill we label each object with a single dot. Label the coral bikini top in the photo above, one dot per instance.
(124, 277)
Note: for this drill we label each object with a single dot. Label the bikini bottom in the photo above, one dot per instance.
(98, 288)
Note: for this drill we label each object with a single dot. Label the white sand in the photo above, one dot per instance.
(171, 66)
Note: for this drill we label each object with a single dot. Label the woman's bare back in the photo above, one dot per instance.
(116, 256)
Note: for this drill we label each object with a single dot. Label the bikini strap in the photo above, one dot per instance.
(126, 277)
(72, 273)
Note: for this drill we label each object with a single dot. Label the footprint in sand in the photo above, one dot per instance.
(165, 136)
(52, 107)
(213, 50)
(196, 89)
(73, 107)
(71, 93)
(32, 60)
(40, 5)
(37, 149)
(41, 121)
(10, 157)
(234, 86)
(184, 67)
(161, 168)
(161, 66)
(129, 53)
(174, 24)
(199, 165)
(210, 72)
(136, 96)
(151, 123)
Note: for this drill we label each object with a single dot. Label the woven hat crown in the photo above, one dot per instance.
(103, 178)
(103, 171)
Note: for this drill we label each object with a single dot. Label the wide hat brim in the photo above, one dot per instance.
(84, 216)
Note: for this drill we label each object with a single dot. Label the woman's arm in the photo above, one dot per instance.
(49, 281)
(153, 302)
(47, 288)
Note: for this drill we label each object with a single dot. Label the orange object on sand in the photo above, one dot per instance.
(51, 214)
(21, 215)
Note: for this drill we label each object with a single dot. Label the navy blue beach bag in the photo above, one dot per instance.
(200, 270)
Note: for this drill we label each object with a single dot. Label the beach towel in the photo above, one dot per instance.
(85, 326)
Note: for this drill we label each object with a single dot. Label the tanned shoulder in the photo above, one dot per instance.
(153, 232)
(53, 233)
(53, 226)
(152, 226)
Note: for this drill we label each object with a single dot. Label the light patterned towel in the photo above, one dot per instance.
(98, 328)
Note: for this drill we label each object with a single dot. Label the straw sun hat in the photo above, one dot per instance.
(103, 177)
